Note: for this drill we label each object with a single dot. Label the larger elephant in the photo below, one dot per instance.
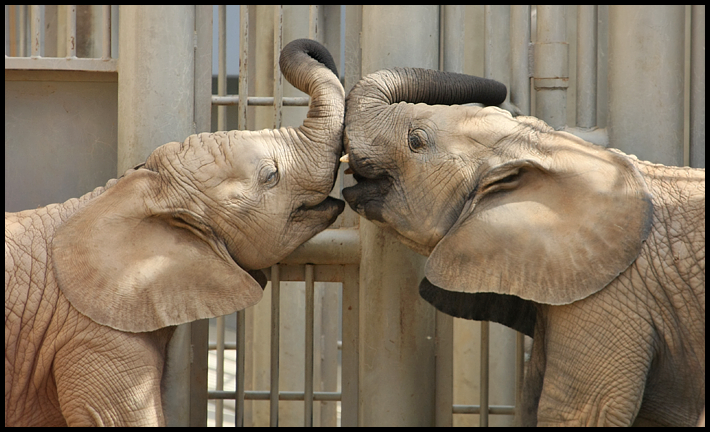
(597, 255)
(94, 286)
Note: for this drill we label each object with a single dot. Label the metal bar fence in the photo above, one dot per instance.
(18, 37)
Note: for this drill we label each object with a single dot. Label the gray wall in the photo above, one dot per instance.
(60, 135)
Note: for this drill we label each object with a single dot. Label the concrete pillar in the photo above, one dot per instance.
(397, 373)
(156, 100)
(551, 69)
(646, 70)
(155, 79)
(459, 341)
(496, 51)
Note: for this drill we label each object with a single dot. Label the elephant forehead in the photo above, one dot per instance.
(488, 126)
(222, 156)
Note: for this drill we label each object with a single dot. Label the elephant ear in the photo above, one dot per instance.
(553, 226)
(128, 264)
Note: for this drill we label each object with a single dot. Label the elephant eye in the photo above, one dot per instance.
(269, 175)
(418, 139)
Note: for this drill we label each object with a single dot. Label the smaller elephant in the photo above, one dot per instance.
(94, 286)
(600, 257)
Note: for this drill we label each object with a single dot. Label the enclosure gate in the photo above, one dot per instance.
(350, 292)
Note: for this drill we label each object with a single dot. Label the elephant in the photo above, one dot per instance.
(95, 286)
(597, 255)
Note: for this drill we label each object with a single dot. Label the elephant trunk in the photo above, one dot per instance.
(415, 85)
(310, 68)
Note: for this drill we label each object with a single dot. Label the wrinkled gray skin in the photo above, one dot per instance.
(597, 255)
(94, 286)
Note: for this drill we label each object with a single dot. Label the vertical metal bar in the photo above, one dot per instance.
(310, 286)
(444, 369)
(313, 29)
(203, 68)
(243, 96)
(519, 369)
(308, 385)
(275, 334)
(199, 365)
(222, 66)
(520, 57)
(351, 341)
(278, 77)
(24, 44)
(219, 385)
(243, 65)
(71, 31)
(221, 125)
(586, 66)
(697, 87)
(9, 28)
(442, 27)
(35, 30)
(22, 26)
(275, 270)
(106, 31)
(485, 356)
(241, 346)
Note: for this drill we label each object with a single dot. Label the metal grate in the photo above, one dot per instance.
(28, 46)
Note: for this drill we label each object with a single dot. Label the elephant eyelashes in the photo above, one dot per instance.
(418, 139)
(269, 175)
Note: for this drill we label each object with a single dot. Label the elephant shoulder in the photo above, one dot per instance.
(678, 195)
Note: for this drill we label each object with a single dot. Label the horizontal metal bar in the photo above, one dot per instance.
(476, 409)
(260, 100)
(233, 345)
(62, 63)
(323, 273)
(331, 246)
(264, 395)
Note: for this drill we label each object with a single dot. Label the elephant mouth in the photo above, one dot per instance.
(324, 212)
(368, 196)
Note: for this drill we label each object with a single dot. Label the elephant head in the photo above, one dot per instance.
(181, 236)
(507, 209)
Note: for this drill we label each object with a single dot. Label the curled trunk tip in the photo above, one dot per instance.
(289, 60)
